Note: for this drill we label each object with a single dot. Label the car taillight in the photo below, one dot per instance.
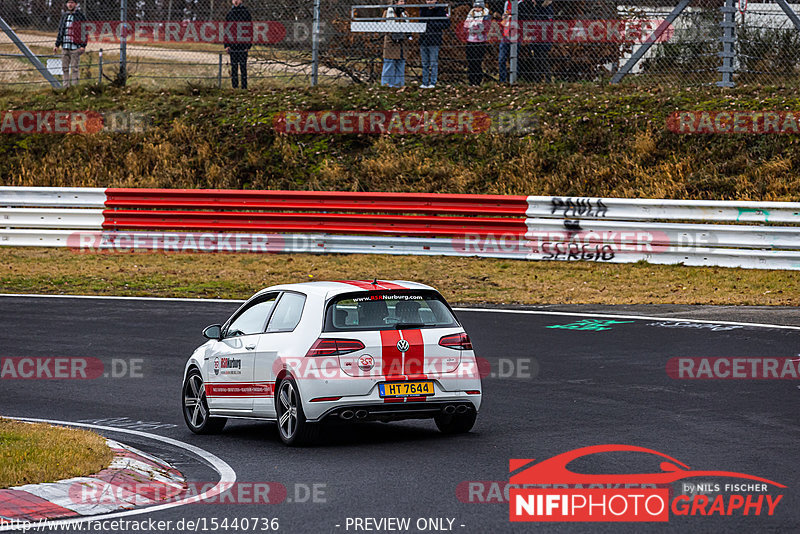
(456, 341)
(334, 347)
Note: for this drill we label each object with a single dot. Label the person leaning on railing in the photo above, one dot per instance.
(431, 41)
(71, 43)
(477, 26)
(394, 49)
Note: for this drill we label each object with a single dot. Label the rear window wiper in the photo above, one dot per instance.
(401, 326)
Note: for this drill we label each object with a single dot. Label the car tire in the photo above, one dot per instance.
(293, 429)
(456, 423)
(195, 406)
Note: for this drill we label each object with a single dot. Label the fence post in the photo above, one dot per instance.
(642, 50)
(30, 55)
(219, 72)
(789, 13)
(728, 38)
(100, 67)
(315, 45)
(515, 31)
(123, 48)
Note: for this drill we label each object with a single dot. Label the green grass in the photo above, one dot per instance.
(591, 141)
(461, 280)
(34, 453)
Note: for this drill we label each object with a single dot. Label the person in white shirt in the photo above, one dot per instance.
(71, 42)
(477, 26)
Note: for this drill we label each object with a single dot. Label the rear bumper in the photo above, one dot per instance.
(396, 410)
(363, 394)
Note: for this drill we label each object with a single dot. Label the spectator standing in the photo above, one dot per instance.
(71, 42)
(535, 62)
(431, 41)
(509, 33)
(237, 50)
(394, 52)
(477, 26)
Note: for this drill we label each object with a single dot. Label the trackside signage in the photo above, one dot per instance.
(550, 491)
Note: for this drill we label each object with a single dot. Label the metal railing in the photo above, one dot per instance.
(721, 42)
(760, 235)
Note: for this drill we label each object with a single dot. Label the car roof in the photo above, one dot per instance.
(332, 288)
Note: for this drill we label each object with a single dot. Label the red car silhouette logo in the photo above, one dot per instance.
(554, 470)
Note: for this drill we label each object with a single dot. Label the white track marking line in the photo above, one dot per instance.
(488, 310)
(226, 472)
(639, 317)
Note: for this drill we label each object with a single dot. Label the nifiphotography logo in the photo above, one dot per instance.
(549, 491)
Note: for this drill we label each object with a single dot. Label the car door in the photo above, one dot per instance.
(279, 338)
(230, 367)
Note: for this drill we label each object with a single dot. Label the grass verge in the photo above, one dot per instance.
(461, 280)
(589, 140)
(34, 453)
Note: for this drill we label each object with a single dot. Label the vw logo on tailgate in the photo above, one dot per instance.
(402, 345)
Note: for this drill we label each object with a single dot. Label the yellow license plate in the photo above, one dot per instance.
(405, 389)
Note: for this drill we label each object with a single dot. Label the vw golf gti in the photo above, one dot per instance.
(359, 350)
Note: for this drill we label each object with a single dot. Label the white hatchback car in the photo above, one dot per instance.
(352, 350)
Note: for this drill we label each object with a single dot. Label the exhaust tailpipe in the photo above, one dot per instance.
(362, 414)
(346, 415)
(449, 409)
(461, 409)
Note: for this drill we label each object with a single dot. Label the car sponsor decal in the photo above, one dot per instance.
(240, 389)
(229, 366)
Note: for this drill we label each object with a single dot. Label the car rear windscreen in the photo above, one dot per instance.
(388, 310)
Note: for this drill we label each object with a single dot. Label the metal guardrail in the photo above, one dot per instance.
(762, 235)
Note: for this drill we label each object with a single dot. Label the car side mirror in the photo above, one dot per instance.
(213, 332)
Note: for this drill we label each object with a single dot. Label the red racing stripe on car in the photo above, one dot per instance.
(415, 355)
(391, 285)
(361, 284)
(240, 389)
(391, 357)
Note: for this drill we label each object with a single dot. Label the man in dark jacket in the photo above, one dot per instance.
(237, 49)
(431, 41)
(71, 42)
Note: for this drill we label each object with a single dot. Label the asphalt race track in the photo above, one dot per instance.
(567, 389)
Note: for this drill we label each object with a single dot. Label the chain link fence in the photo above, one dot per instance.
(302, 42)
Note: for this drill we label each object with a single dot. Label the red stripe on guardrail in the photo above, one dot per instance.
(429, 203)
(412, 225)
